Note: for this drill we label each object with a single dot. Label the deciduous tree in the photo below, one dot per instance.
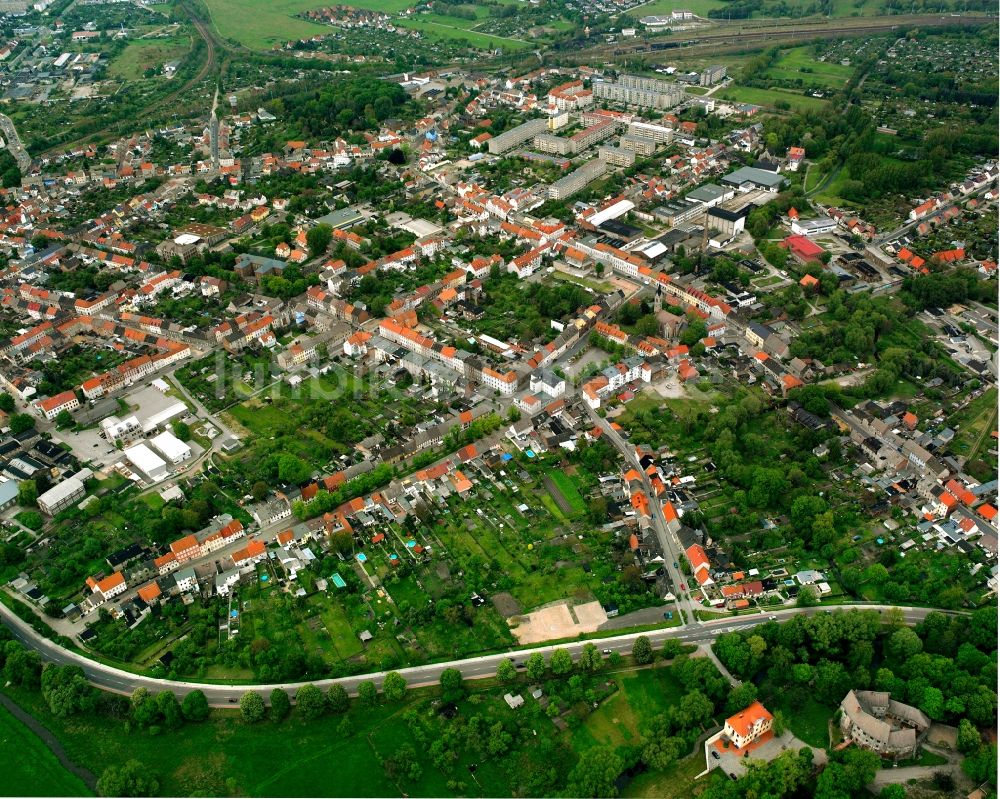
(642, 650)
(394, 686)
(367, 693)
(310, 702)
(506, 671)
(561, 662)
(252, 707)
(195, 706)
(131, 778)
(535, 666)
(595, 773)
(280, 704)
(337, 699)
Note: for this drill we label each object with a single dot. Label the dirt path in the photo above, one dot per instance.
(50, 740)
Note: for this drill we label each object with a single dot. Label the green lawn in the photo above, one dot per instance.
(813, 178)
(451, 32)
(261, 24)
(293, 758)
(388, 6)
(808, 722)
(582, 281)
(142, 54)
(677, 782)
(699, 7)
(797, 63)
(974, 421)
(619, 721)
(569, 491)
(155, 501)
(33, 770)
(768, 97)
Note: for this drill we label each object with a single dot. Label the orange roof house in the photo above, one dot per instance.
(461, 482)
(960, 492)
(748, 725)
(788, 382)
(164, 560)
(184, 545)
(987, 511)
(149, 592)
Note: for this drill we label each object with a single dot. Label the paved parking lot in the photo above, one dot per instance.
(733, 761)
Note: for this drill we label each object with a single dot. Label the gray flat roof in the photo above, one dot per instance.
(343, 217)
(749, 174)
(707, 193)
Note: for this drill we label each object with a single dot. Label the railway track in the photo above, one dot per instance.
(746, 34)
(164, 102)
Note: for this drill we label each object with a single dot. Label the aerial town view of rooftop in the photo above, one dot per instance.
(518, 398)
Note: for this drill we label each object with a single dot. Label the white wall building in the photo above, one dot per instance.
(170, 447)
(147, 462)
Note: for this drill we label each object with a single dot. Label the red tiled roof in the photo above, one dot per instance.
(742, 723)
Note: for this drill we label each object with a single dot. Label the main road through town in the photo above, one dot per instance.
(669, 545)
(120, 681)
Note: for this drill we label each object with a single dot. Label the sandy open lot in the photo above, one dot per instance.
(558, 621)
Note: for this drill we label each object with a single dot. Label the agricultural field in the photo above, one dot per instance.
(148, 54)
(772, 99)
(35, 770)
(262, 24)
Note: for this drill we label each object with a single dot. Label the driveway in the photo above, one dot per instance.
(734, 761)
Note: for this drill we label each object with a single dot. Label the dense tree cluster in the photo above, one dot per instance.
(344, 106)
(946, 666)
(526, 310)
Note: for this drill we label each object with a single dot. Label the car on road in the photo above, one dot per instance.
(606, 651)
(684, 587)
(676, 565)
(772, 618)
(232, 700)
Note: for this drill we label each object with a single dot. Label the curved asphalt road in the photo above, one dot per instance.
(119, 681)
